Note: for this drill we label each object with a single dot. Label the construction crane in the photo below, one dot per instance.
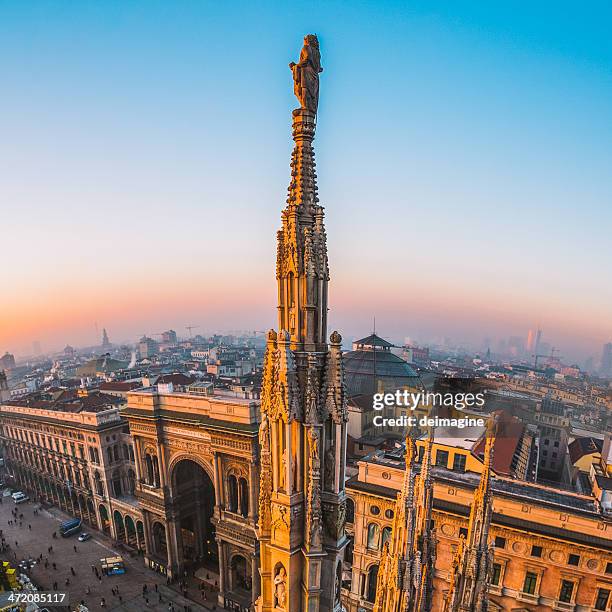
(190, 327)
(553, 350)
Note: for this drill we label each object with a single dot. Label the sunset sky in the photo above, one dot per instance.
(463, 154)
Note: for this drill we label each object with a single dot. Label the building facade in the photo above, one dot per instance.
(552, 549)
(78, 459)
(197, 483)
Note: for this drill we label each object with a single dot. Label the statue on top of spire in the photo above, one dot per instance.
(306, 74)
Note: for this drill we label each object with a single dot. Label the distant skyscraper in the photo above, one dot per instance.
(169, 337)
(538, 340)
(7, 361)
(606, 360)
(530, 341)
(105, 341)
(147, 347)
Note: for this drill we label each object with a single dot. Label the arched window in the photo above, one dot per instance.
(244, 497)
(109, 454)
(232, 502)
(117, 491)
(350, 510)
(373, 536)
(116, 452)
(99, 484)
(126, 453)
(156, 471)
(149, 466)
(131, 452)
(386, 534)
(370, 593)
(131, 479)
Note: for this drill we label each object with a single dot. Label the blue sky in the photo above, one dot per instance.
(464, 152)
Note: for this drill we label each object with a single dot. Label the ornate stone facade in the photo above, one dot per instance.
(303, 402)
(197, 483)
(82, 462)
(405, 579)
(552, 548)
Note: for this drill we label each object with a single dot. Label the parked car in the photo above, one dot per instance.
(83, 537)
(19, 497)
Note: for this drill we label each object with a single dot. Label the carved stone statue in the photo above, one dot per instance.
(280, 588)
(306, 74)
(330, 469)
(283, 471)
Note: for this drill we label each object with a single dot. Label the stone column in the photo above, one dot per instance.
(137, 459)
(223, 567)
(253, 492)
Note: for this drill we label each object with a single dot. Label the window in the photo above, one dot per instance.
(370, 590)
(536, 551)
(373, 533)
(232, 501)
(546, 442)
(386, 535)
(573, 560)
(500, 542)
(545, 453)
(350, 510)
(556, 443)
(609, 567)
(459, 463)
(567, 588)
(375, 510)
(463, 532)
(531, 580)
(496, 574)
(603, 596)
(389, 514)
(442, 458)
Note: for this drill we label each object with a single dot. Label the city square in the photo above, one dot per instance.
(84, 585)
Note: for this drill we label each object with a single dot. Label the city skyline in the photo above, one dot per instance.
(141, 193)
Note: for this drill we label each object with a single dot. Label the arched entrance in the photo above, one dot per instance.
(119, 526)
(130, 531)
(194, 496)
(159, 540)
(104, 520)
(140, 534)
(240, 575)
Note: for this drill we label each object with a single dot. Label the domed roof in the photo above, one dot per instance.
(369, 369)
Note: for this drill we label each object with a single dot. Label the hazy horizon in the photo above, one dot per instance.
(463, 157)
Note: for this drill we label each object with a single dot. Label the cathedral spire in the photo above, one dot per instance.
(405, 578)
(473, 561)
(302, 498)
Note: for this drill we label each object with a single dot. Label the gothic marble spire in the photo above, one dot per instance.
(405, 578)
(302, 499)
(473, 561)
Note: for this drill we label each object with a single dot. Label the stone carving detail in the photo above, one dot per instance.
(335, 390)
(280, 394)
(280, 588)
(313, 497)
(265, 478)
(312, 393)
(306, 74)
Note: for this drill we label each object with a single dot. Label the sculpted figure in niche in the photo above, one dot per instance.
(330, 468)
(283, 471)
(280, 588)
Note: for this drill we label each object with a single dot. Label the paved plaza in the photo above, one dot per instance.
(34, 537)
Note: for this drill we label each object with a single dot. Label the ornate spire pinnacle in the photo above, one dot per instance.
(473, 561)
(302, 499)
(405, 578)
